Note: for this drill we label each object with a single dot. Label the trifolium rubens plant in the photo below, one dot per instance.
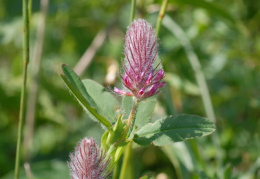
(142, 78)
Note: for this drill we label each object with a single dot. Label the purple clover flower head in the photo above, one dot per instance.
(88, 161)
(142, 77)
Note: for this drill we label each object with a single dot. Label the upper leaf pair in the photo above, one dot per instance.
(102, 107)
(92, 97)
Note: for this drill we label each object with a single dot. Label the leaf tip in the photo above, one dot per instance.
(63, 64)
(65, 67)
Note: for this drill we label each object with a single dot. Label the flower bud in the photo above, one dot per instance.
(142, 78)
(89, 162)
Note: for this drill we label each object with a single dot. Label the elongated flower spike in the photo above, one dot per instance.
(141, 77)
(89, 162)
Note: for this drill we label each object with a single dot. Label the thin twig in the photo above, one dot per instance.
(26, 58)
(32, 98)
(28, 171)
(96, 44)
(91, 51)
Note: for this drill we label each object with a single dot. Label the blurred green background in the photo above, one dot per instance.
(225, 36)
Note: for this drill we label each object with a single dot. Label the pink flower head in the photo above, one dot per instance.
(88, 161)
(141, 77)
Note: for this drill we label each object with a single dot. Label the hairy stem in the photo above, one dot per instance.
(128, 130)
(160, 16)
(132, 115)
(90, 53)
(26, 57)
(126, 160)
(131, 119)
(132, 15)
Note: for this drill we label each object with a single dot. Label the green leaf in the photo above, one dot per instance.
(77, 88)
(115, 151)
(104, 137)
(127, 105)
(227, 171)
(144, 110)
(76, 82)
(103, 101)
(117, 132)
(174, 129)
(147, 176)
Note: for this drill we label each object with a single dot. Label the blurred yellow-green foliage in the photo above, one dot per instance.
(225, 35)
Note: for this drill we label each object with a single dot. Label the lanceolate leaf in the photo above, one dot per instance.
(174, 129)
(77, 88)
(76, 82)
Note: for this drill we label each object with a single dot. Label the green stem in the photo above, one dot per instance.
(128, 130)
(26, 52)
(29, 8)
(116, 170)
(132, 15)
(126, 160)
(131, 120)
(160, 16)
(132, 114)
